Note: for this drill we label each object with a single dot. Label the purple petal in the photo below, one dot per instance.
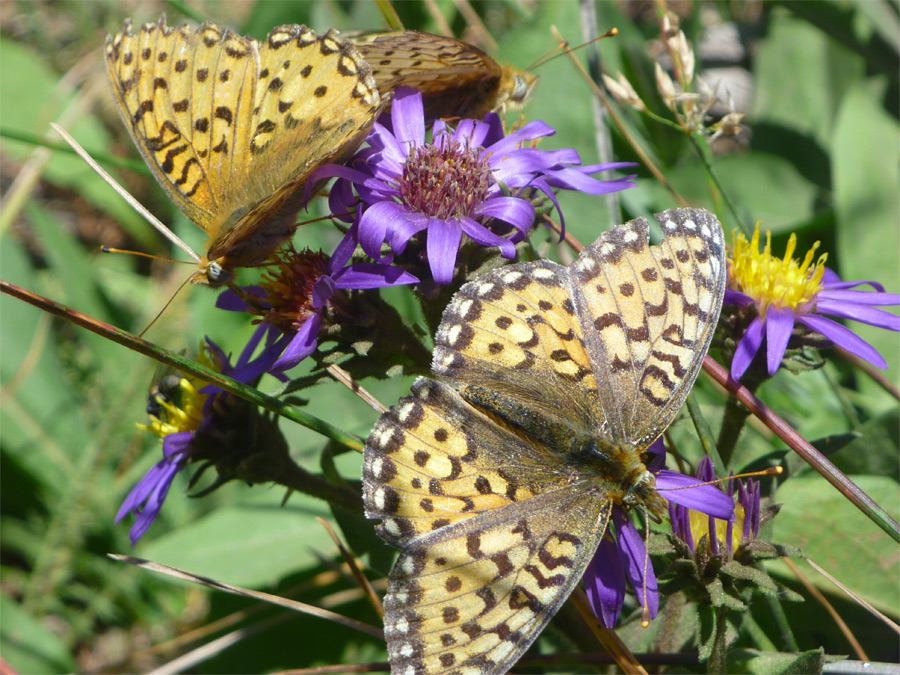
(604, 582)
(262, 363)
(302, 345)
(516, 169)
(323, 289)
(860, 297)
(687, 491)
(377, 222)
(344, 250)
(495, 130)
(408, 117)
(146, 498)
(611, 166)
(636, 562)
(573, 178)
(442, 246)
(248, 350)
(517, 212)
(830, 280)
(372, 275)
(657, 452)
(529, 132)
(779, 324)
(470, 133)
(747, 348)
(844, 337)
(176, 444)
(481, 235)
(405, 229)
(863, 314)
(231, 301)
(737, 298)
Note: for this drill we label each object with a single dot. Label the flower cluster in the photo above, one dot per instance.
(292, 298)
(471, 180)
(182, 412)
(783, 292)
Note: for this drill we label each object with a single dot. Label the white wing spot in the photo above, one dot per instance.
(484, 289)
(629, 236)
(690, 225)
(379, 499)
(453, 334)
(512, 277)
(403, 413)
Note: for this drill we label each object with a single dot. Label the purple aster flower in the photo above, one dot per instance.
(621, 554)
(471, 180)
(294, 293)
(724, 537)
(179, 411)
(783, 292)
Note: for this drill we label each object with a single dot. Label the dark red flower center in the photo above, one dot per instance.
(445, 181)
(289, 287)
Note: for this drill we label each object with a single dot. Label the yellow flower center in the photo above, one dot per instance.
(183, 414)
(182, 410)
(784, 283)
(700, 528)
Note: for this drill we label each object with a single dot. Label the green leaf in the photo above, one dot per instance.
(775, 663)
(837, 536)
(254, 544)
(874, 449)
(27, 645)
(866, 176)
(801, 97)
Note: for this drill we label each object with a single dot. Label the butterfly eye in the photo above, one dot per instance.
(520, 89)
(216, 274)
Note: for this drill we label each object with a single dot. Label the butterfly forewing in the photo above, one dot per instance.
(232, 129)
(497, 483)
(648, 311)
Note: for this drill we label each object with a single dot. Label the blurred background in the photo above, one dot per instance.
(817, 83)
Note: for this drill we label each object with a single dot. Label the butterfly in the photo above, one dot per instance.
(232, 128)
(456, 78)
(496, 479)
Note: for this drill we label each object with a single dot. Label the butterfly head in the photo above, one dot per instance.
(516, 86)
(212, 273)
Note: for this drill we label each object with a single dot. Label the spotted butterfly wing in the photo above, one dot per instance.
(456, 78)
(497, 482)
(232, 128)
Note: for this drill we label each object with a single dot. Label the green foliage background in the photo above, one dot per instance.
(822, 162)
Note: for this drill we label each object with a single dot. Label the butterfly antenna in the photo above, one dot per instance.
(166, 306)
(645, 614)
(141, 254)
(135, 204)
(563, 48)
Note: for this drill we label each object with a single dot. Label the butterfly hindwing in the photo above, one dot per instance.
(456, 78)
(492, 536)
